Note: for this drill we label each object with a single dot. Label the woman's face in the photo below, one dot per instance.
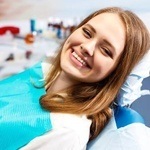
(91, 52)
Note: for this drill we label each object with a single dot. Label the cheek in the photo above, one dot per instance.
(75, 38)
(103, 67)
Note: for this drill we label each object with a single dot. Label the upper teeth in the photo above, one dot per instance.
(78, 58)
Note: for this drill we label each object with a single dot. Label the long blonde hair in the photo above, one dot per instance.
(94, 99)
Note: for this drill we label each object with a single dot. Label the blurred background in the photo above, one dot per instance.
(32, 30)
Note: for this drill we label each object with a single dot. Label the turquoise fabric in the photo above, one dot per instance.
(21, 117)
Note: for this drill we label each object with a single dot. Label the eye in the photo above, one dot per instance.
(107, 52)
(86, 33)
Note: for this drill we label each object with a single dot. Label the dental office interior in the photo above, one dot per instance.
(32, 30)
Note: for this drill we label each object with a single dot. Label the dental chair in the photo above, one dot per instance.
(126, 129)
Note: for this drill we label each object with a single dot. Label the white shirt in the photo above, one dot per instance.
(70, 132)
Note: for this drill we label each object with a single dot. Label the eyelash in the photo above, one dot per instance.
(107, 52)
(87, 33)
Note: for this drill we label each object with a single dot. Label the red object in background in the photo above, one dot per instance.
(14, 30)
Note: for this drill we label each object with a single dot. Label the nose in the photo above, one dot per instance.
(88, 48)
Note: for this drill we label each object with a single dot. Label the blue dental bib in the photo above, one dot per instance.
(21, 116)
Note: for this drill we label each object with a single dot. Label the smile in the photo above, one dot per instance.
(79, 59)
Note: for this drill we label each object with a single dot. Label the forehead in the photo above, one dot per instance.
(106, 16)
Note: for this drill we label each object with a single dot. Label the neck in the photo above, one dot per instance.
(61, 83)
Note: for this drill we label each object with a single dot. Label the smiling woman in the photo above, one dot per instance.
(77, 90)
(91, 52)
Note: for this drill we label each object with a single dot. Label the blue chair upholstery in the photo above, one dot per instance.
(125, 116)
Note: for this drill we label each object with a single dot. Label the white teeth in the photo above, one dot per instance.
(78, 58)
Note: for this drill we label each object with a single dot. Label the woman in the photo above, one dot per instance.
(83, 81)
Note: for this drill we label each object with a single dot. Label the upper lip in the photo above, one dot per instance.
(82, 57)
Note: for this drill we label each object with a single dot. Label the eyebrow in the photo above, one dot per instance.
(104, 40)
(91, 27)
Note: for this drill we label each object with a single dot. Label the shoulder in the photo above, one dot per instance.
(69, 132)
(80, 125)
